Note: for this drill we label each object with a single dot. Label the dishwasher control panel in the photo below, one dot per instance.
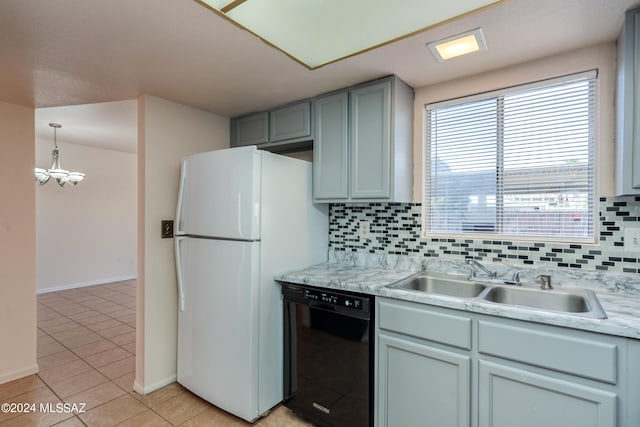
(334, 299)
(357, 304)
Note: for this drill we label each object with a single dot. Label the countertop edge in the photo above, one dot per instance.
(621, 321)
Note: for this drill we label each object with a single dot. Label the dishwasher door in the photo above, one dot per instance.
(328, 355)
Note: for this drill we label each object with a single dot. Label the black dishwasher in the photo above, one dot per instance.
(328, 355)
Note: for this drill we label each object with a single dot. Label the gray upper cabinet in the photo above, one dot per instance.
(362, 140)
(371, 141)
(250, 130)
(627, 108)
(290, 122)
(330, 168)
(274, 128)
(378, 157)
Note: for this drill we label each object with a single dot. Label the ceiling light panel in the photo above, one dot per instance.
(318, 32)
(458, 45)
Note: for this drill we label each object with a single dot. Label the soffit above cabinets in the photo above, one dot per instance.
(319, 32)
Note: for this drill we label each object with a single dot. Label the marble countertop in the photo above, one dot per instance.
(344, 272)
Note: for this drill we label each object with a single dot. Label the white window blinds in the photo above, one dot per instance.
(518, 162)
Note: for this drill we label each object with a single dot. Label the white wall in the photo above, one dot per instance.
(86, 234)
(17, 243)
(601, 57)
(167, 132)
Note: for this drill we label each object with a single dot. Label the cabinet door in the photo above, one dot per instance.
(421, 386)
(511, 397)
(290, 122)
(627, 93)
(371, 141)
(330, 150)
(631, 396)
(250, 130)
(635, 149)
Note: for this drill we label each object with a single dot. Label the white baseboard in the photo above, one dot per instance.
(138, 388)
(143, 390)
(10, 376)
(84, 284)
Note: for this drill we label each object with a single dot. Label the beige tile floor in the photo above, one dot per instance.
(86, 354)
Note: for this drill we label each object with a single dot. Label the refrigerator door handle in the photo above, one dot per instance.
(177, 241)
(183, 173)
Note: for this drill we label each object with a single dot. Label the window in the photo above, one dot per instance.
(517, 163)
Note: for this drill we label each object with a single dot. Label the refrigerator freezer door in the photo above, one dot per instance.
(219, 194)
(218, 329)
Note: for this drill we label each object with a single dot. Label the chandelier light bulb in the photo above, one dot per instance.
(75, 177)
(41, 176)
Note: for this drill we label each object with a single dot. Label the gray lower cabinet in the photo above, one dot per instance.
(444, 367)
(511, 397)
(377, 149)
(627, 109)
(423, 374)
(533, 375)
(419, 385)
(630, 407)
(250, 130)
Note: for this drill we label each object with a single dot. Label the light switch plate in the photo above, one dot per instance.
(632, 239)
(166, 231)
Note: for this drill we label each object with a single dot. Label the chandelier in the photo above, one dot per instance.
(62, 176)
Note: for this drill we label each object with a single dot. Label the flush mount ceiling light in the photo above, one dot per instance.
(460, 44)
(56, 172)
(316, 33)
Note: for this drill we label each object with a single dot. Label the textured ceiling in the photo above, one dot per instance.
(70, 52)
(108, 125)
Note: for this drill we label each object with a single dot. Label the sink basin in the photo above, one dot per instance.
(580, 302)
(441, 286)
(577, 302)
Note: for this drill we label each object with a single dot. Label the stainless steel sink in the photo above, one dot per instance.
(577, 302)
(581, 302)
(438, 285)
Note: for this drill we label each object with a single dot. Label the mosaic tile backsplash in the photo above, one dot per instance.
(395, 229)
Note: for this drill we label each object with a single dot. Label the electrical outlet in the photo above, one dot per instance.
(364, 228)
(632, 239)
(166, 231)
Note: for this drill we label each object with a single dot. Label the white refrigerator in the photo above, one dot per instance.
(242, 215)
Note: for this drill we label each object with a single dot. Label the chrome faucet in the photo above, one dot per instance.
(475, 266)
(515, 279)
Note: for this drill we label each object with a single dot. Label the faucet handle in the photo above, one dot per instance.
(545, 281)
(516, 277)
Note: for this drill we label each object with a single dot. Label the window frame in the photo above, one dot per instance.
(426, 161)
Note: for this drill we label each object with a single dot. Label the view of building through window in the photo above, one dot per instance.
(517, 163)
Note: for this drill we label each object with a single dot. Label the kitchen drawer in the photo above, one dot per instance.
(570, 352)
(425, 322)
